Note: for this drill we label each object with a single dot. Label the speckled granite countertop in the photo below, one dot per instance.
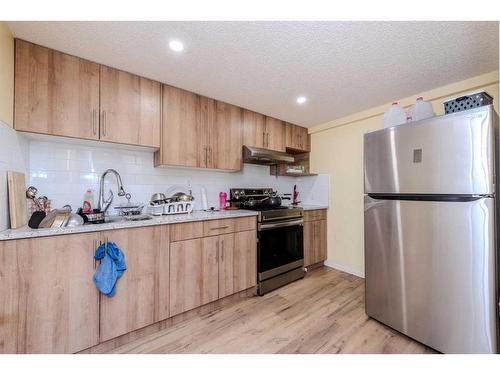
(309, 207)
(26, 232)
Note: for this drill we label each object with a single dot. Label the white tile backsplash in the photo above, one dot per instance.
(64, 171)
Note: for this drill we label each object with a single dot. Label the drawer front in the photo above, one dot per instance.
(220, 226)
(245, 223)
(186, 231)
(314, 215)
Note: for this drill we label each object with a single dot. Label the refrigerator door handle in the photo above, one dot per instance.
(431, 197)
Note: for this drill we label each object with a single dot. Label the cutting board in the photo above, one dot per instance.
(16, 184)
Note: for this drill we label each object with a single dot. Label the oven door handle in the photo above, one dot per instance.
(291, 223)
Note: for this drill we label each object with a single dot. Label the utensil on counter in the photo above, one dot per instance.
(158, 198)
(56, 218)
(295, 200)
(74, 220)
(95, 217)
(180, 196)
(129, 209)
(40, 214)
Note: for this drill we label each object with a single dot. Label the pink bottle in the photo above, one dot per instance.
(222, 200)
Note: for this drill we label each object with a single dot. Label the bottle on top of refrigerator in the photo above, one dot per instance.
(395, 115)
(421, 110)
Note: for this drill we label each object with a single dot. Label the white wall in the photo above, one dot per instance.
(337, 149)
(63, 171)
(13, 157)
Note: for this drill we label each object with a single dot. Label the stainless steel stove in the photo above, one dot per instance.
(280, 238)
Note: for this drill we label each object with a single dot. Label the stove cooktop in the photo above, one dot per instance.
(239, 196)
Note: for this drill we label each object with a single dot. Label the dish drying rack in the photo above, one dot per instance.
(172, 208)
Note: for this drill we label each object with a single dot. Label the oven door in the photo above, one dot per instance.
(281, 248)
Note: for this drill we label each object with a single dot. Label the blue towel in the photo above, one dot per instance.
(111, 268)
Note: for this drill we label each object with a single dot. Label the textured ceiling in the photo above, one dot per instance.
(342, 67)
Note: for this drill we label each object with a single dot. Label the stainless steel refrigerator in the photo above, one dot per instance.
(430, 228)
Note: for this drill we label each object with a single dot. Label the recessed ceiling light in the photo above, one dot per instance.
(176, 45)
(301, 99)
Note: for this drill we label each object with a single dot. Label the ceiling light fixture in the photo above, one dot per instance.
(301, 99)
(176, 45)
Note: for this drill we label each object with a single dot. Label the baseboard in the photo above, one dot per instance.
(344, 268)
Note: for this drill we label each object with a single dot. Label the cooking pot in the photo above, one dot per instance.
(271, 201)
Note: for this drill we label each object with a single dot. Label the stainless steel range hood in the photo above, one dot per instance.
(255, 155)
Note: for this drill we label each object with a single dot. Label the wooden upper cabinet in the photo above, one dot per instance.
(297, 138)
(130, 108)
(254, 129)
(136, 302)
(275, 134)
(219, 136)
(180, 128)
(55, 93)
(49, 303)
(225, 149)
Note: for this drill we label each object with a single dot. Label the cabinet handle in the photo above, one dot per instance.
(94, 247)
(215, 228)
(264, 139)
(222, 251)
(210, 155)
(205, 157)
(267, 142)
(104, 123)
(93, 121)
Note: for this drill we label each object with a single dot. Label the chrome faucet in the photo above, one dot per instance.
(104, 204)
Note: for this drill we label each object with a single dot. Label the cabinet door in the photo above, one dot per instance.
(237, 262)
(322, 240)
(194, 273)
(226, 138)
(254, 129)
(130, 108)
(206, 132)
(275, 134)
(309, 229)
(314, 242)
(48, 301)
(180, 128)
(297, 138)
(55, 93)
(135, 303)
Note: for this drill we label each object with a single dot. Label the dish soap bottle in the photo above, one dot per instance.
(88, 201)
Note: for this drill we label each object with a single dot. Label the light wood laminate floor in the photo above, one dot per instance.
(323, 313)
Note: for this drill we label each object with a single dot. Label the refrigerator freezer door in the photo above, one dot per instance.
(450, 154)
(430, 271)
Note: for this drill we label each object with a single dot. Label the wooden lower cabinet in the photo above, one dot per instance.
(314, 242)
(48, 301)
(194, 273)
(237, 262)
(136, 302)
(206, 269)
